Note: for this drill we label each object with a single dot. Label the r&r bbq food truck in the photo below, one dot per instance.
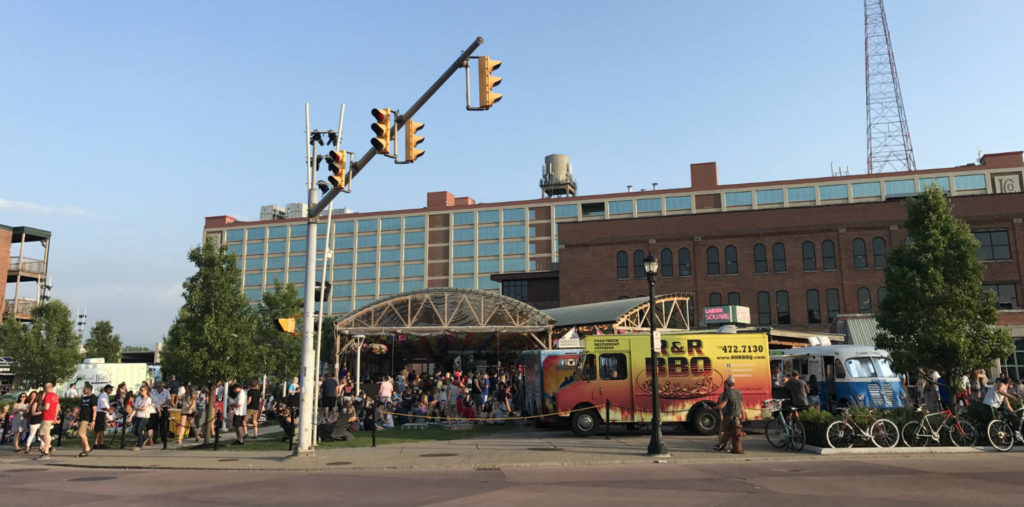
(692, 368)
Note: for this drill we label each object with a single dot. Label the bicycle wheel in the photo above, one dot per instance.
(839, 434)
(1000, 435)
(966, 435)
(884, 433)
(798, 437)
(775, 433)
(914, 435)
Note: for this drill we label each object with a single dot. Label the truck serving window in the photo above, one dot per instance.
(613, 366)
(860, 367)
(589, 368)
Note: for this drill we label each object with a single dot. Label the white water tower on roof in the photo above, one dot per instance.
(556, 177)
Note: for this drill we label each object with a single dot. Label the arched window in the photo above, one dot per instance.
(878, 249)
(881, 296)
(638, 264)
(684, 262)
(764, 308)
(714, 299)
(813, 307)
(863, 300)
(666, 262)
(731, 264)
(778, 258)
(860, 254)
(760, 259)
(734, 299)
(810, 263)
(828, 255)
(832, 303)
(622, 264)
(713, 260)
(782, 306)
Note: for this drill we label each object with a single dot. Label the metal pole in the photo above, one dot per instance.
(656, 447)
(400, 122)
(307, 381)
(359, 354)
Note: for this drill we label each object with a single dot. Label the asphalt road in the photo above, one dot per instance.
(976, 479)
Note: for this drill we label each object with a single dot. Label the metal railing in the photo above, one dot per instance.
(20, 306)
(27, 265)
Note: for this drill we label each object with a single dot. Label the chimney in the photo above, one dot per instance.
(704, 176)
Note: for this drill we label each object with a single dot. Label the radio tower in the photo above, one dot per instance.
(889, 145)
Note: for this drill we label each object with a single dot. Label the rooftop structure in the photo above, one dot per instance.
(26, 275)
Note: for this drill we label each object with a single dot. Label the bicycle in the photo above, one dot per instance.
(1000, 430)
(846, 431)
(920, 433)
(785, 430)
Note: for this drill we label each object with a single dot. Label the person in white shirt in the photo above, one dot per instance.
(161, 419)
(237, 403)
(71, 392)
(102, 415)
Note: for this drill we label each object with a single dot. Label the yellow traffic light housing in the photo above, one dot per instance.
(285, 325)
(340, 177)
(382, 129)
(485, 67)
(412, 141)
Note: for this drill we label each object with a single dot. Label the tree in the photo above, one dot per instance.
(935, 314)
(279, 354)
(46, 350)
(103, 342)
(211, 339)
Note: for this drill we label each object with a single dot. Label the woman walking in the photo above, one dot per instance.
(143, 406)
(188, 413)
(35, 418)
(20, 419)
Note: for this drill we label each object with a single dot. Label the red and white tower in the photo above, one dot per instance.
(889, 147)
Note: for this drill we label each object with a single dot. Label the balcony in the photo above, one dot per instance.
(20, 309)
(24, 267)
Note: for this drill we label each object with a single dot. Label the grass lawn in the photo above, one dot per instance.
(362, 438)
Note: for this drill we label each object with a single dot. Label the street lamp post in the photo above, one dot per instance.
(657, 445)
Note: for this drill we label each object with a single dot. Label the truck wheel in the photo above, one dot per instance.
(584, 423)
(703, 421)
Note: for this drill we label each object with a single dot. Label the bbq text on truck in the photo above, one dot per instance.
(692, 368)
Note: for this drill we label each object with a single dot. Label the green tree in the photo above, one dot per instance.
(279, 354)
(211, 339)
(935, 314)
(103, 342)
(46, 350)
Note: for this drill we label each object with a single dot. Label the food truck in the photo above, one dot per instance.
(692, 368)
(544, 373)
(847, 375)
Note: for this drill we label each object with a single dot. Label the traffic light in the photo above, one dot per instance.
(488, 82)
(285, 325)
(340, 178)
(412, 140)
(382, 143)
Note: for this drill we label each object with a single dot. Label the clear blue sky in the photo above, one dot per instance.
(123, 125)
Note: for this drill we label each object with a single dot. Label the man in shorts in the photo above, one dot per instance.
(51, 404)
(252, 409)
(86, 418)
(236, 404)
(731, 406)
(102, 409)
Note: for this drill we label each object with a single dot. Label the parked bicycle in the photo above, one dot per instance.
(923, 432)
(785, 430)
(847, 431)
(1006, 429)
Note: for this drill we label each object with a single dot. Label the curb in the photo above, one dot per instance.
(894, 451)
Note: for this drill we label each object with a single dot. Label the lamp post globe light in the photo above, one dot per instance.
(657, 446)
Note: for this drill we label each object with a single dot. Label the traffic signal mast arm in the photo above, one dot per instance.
(400, 121)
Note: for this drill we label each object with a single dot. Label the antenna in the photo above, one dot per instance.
(889, 146)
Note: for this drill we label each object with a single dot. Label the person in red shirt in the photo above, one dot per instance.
(51, 404)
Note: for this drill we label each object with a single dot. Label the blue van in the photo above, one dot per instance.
(847, 375)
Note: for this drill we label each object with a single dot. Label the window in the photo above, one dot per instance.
(813, 307)
(485, 283)
(566, 211)
(648, 205)
(485, 249)
(487, 217)
(490, 232)
(343, 242)
(296, 230)
(764, 310)
(810, 264)
(878, 249)
(339, 228)
(514, 248)
(390, 271)
(622, 265)
(638, 264)
(368, 225)
(860, 253)
(832, 192)
(832, 303)
(677, 203)
(412, 285)
(514, 231)
(275, 247)
(390, 224)
(236, 235)
(489, 266)
(254, 279)
(613, 367)
(513, 215)
(413, 270)
(666, 262)
(254, 233)
(737, 199)
(872, 189)
(731, 264)
(620, 207)
(462, 282)
(297, 261)
(800, 194)
(366, 273)
(514, 264)
(995, 245)
(463, 267)
(414, 238)
(462, 251)
(863, 300)
(713, 268)
(1006, 294)
(416, 222)
(366, 289)
(275, 262)
(340, 258)
(769, 196)
(414, 254)
(235, 249)
(828, 255)
(779, 258)
(593, 209)
(899, 187)
(970, 182)
(589, 368)
(254, 249)
(279, 231)
(782, 306)
(942, 182)
(343, 274)
(860, 367)
(515, 289)
(390, 239)
(760, 259)
(684, 262)
(367, 257)
(714, 299)
(734, 299)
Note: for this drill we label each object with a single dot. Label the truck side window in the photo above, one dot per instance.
(589, 368)
(613, 366)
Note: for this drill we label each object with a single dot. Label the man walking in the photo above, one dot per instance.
(102, 409)
(86, 418)
(162, 403)
(731, 405)
(51, 405)
(237, 406)
(797, 389)
(252, 409)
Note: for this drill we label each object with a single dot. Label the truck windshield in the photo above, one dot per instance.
(884, 367)
(859, 367)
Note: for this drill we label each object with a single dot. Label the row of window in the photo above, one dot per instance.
(761, 261)
(812, 300)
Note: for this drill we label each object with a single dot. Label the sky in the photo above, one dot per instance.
(123, 125)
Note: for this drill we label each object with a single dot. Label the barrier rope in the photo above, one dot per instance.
(507, 418)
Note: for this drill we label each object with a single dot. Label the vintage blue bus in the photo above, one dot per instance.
(847, 375)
